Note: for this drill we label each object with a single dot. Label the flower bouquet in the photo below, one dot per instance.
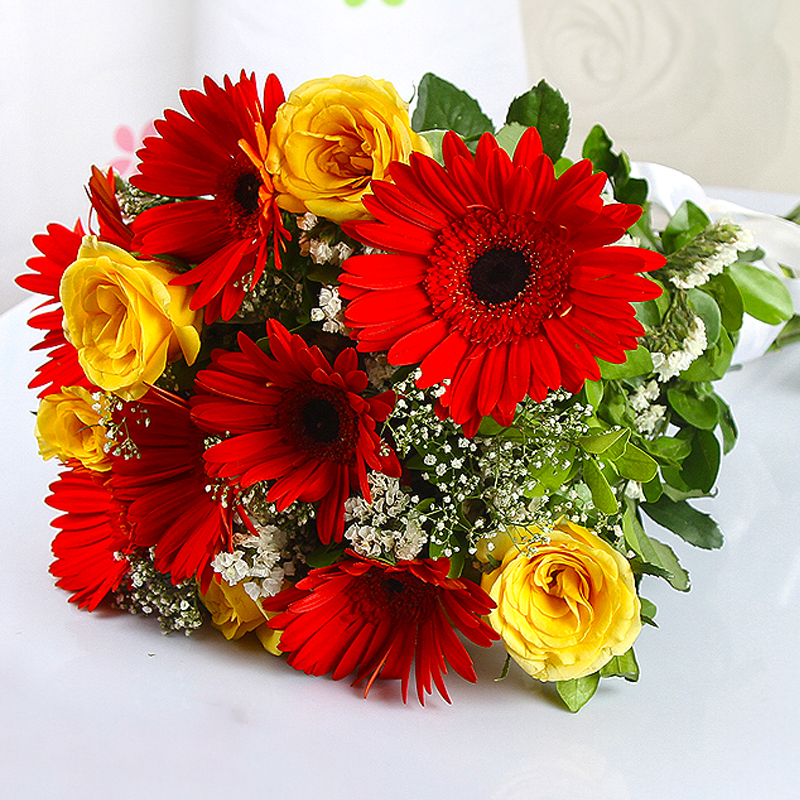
(359, 382)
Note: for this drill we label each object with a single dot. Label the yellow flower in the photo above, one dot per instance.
(235, 613)
(124, 318)
(566, 602)
(331, 138)
(68, 427)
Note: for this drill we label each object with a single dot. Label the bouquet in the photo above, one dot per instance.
(367, 385)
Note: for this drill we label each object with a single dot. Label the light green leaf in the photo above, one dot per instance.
(705, 306)
(543, 108)
(651, 551)
(601, 442)
(639, 362)
(686, 223)
(699, 413)
(434, 139)
(577, 692)
(764, 295)
(636, 465)
(648, 612)
(623, 666)
(509, 135)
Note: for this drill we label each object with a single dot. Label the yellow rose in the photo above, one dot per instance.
(331, 138)
(566, 603)
(124, 318)
(68, 427)
(235, 613)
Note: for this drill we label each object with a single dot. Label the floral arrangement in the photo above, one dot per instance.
(359, 382)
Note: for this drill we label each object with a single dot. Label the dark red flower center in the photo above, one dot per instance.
(238, 197)
(496, 277)
(400, 595)
(320, 421)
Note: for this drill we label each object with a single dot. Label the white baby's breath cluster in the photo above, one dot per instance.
(668, 365)
(389, 526)
(257, 562)
(329, 311)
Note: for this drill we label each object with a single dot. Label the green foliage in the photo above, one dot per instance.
(597, 148)
(443, 107)
(543, 108)
(623, 666)
(687, 222)
(577, 692)
(763, 294)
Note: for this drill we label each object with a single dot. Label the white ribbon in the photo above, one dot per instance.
(777, 237)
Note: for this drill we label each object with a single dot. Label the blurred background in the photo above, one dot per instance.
(710, 87)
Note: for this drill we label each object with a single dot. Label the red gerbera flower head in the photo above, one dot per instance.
(376, 619)
(497, 278)
(93, 538)
(296, 420)
(102, 195)
(215, 153)
(159, 476)
(59, 248)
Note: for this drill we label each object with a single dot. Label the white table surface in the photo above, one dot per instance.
(103, 705)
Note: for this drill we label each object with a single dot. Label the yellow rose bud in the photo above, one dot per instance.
(124, 318)
(566, 602)
(68, 426)
(235, 613)
(331, 138)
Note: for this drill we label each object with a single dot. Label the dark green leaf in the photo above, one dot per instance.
(325, 556)
(639, 362)
(686, 223)
(726, 424)
(690, 524)
(729, 299)
(651, 551)
(764, 295)
(577, 692)
(597, 148)
(700, 468)
(543, 108)
(623, 666)
(441, 106)
(701, 413)
(652, 489)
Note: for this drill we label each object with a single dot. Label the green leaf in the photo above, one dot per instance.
(690, 524)
(729, 299)
(651, 551)
(705, 306)
(325, 556)
(577, 692)
(623, 666)
(509, 135)
(594, 393)
(726, 424)
(543, 108)
(602, 495)
(652, 489)
(639, 362)
(636, 465)
(601, 442)
(686, 223)
(764, 295)
(669, 449)
(713, 364)
(648, 313)
(441, 106)
(434, 139)
(648, 612)
(701, 413)
(597, 148)
(700, 468)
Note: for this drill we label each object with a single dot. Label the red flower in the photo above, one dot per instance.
(102, 193)
(93, 537)
(294, 420)
(59, 248)
(171, 503)
(215, 155)
(375, 619)
(497, 279)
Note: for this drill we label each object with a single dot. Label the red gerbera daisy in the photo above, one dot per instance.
(496, 278)
(171, 503)
(102, 194)
(294, 420)
(59, 248)
(93, 537)
(214, 155)
(375, 618)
